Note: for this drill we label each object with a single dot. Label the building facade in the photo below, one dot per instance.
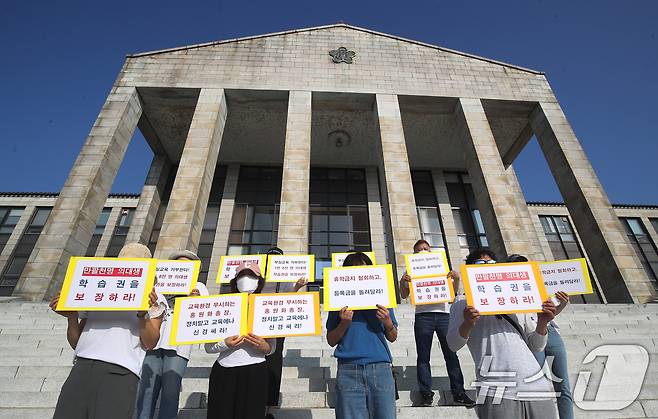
(322, 140)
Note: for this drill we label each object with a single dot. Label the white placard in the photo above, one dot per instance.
(285, 314)
(208, 319)
(107, 284)
(228, 265)
(504, 287)
(359, 287)
(425, 264)
(176, 276)
(432, 290)
(290, 268)
(570, 276)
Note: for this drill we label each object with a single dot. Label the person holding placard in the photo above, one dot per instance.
(275, 361)
(556, 350)
(109, 348)
(431, 319)
(365, 386)
(165, 365)
(502, 347)
(238, 383)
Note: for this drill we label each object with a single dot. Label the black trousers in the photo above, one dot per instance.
(274, 368)
(97, 390)
(237, 392)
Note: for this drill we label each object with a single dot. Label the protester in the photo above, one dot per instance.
(275, 361)
(238, 383)
(502, 347)
(365, 387)
(431, 319)
(109, 348)
(555, 354)
(165, 365)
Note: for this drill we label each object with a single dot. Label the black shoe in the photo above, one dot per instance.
(463, 399)
(269, 416)
(426, 400)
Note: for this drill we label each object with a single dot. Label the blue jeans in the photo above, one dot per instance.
(162, 370)
(555, 348)
(365, 391)
(425, 325)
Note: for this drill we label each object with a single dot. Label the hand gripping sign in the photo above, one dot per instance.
(290, 268)
(107, 284)
(176, 276)
(229, 264)
(337, 259)
(285, 314)
(359, 287)
(208, 319)
(570, 276)
(504, 288)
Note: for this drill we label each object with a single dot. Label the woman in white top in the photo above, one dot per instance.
(165, 365)
(109, 348)
(433, 319)
(239, 379)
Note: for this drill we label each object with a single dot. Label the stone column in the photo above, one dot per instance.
(149, 200)
(447, 220)
(220, 245)
(375, 216)
(10, 246)
(536, 251)
(294, 210)
(399, 189)
(497, 201)
(613, 259)
(183, 221)
(112, 222)
(73, 218)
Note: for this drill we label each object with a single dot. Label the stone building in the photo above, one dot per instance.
(324, 139)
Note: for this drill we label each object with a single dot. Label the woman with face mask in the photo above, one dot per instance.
(238, 381)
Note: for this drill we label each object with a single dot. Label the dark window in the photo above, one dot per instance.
(209, 228)
(427, 208)
(255, 222)
(18, 259)
(120, 232)
(470, 229)
(9, 217)
(654, 223)
(644, 247)
(98, 231)
(562, 241)
(338, 214)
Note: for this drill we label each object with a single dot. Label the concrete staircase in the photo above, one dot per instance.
(35, 360)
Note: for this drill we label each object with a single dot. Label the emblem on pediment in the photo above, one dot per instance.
(342, 55)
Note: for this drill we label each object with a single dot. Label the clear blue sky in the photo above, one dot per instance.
(59, 60)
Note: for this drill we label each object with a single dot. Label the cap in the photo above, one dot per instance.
(135, 250)
(183, 254)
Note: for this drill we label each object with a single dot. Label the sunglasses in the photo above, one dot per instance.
(482, 261)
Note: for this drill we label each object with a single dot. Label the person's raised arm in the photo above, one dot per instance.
(538, 337)
(384, 316)
(405, 283)
(462, 322)
(336, 333)
(75, 325)
(563, 298)
(149, 325)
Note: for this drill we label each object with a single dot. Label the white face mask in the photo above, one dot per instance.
(247, 283)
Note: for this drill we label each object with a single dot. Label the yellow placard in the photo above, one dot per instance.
(440, 252)
(68, 286)
(337, 257)
(412, 291)
(195, 276)
(228, 265)
(309, 273)
(582, 263)
(390, 287)
(173, 338)
(537, 278)
(317, 322)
